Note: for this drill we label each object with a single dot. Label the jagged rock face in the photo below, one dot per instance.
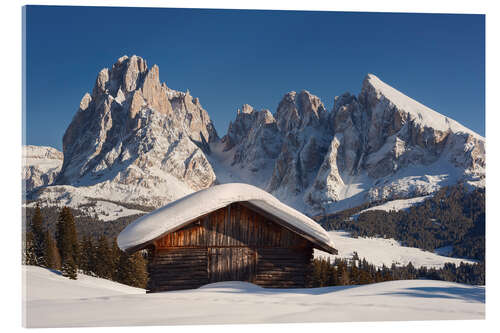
(404, 148)
(302, 122)
(379, 145)
(40, 166)
(256, 139)
(133, 130)
(288, 147)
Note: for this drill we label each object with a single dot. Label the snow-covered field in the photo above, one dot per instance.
(380, 251)
(396, 205)
(54, 301)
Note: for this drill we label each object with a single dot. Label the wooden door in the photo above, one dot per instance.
(231, 264)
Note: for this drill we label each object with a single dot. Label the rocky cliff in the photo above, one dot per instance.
(377, 146)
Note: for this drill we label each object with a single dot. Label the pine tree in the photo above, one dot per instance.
(132, 270)
(343, 274)
(29, 257)
(52, 256)
(87, 256)
(38, 237)
(355, 274)
(378, 276)
(324, 272)
(412, 272)
(141, 270)
(115, 257)
(69, 268)
(316, 274)
(104, 260)
(67, 242)
(332, 276)
(364, 277)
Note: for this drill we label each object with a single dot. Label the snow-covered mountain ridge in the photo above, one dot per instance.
(40, 166)
(380, 145)
(135, 140)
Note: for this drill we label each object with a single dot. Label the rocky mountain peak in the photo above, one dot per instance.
(133, 129)
(247, 109)
(296, 111)
(239, 129)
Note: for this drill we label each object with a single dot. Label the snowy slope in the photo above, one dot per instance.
(380, 251)
(44, 284)
(240, 302)
(396, 205)
(40, 166)
(87, 200)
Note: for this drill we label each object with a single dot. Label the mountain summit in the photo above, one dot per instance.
(135, 140)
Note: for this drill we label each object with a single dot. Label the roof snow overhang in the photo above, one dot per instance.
(177, 214)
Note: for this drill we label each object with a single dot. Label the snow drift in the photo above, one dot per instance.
(58, 305)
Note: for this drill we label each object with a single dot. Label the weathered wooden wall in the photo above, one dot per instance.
(232, 243)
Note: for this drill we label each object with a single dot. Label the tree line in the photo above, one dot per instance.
(343, 272)
(87, 224)
(454, 216)
(64, 251)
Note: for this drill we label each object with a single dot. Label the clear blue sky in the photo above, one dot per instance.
(231, 57)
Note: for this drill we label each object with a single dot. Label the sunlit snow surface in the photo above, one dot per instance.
(60, 302)
(396, 205)
(380, 251)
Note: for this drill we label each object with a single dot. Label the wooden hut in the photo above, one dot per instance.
(224, 233)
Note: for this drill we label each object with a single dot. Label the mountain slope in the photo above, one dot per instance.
(378, 146)
(385, 251)
(41, 165)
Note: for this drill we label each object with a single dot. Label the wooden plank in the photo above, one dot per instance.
(179, 267)
(181, 255)
(244, 227)
(234, 226)
(218, 228)
(241, 226)
(167, 278)
(181, 250)
(222, 234)
(227, 226)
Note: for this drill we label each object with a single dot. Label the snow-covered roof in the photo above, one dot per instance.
(185, 210)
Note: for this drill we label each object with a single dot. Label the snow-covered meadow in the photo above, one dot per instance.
(54, 301)
(381, 251)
